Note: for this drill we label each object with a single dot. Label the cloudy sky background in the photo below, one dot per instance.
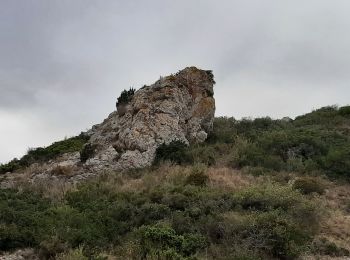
(63, 63)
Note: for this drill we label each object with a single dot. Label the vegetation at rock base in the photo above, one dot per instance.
(175, 151)
(87, 152)
(256, 189)
(43, 154)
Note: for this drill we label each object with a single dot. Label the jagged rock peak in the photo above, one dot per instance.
(176, 107)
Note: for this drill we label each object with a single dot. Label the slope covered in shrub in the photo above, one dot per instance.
(315, 142)
(169, 216)
(256, 189)
(43, 154)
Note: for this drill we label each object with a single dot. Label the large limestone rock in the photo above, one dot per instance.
(176, 107)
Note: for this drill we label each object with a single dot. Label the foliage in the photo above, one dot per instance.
(308, 185)
(163, 241)
(170, 220)
(87, 152)
(126, 96)
(155, 215)
(38, 155)
(175, 151)
(197, 177)
(21, 219)
(315, 142)
(76, 254)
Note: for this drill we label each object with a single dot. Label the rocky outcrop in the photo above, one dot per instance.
(176, 107)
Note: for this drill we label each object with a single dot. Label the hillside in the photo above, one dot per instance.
(222, 189)
(256, 189)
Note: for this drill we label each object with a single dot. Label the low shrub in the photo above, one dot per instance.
(51, 247)
(271, 220)
(87, 152)
(176, 152)
(308, 185)
(163, 241)
(126, 96)
(344, 111)
(21, 220)
(204, 154)
(73, 254)
(281, 235)
(197, 177)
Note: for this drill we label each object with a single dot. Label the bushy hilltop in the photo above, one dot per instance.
(254, 189)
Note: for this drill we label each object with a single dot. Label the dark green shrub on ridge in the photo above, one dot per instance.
(126, 96)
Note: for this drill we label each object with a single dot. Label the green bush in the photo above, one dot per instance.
(10, 167)
(197, 177)
(308, 185)
(344, 111)
(176, 151)
(126, 96)
(161, 240)
(87, 152)
(204, 154)
(337, 161)
(97, 217)
(76, 254)
(223, 130)
(279, 233)
(281, 219)
(21, 219)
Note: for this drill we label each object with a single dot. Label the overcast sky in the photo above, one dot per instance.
(63, 63)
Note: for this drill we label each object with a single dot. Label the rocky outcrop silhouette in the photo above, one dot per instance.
(176, 107)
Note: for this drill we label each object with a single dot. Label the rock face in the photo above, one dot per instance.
(176, 107)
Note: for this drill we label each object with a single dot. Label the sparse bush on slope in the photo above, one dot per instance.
(73, 144)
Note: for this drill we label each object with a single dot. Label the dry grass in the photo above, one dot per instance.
(335, 227)
(337, 196)
(220, 178)
(54, 189)
(229, 179)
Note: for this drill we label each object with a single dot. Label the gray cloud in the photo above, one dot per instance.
(63, 63)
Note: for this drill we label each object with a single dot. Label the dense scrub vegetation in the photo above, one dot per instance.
(265, 204)
(318, 142)
(40, 154)
(173, 219)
